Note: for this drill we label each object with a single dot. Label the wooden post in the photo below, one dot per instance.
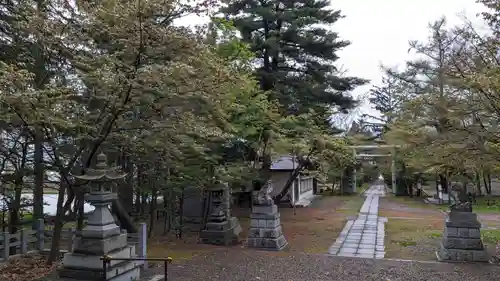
(71, 236)
(143, 238)
(40, 235)
(24, 240)
(6, 245)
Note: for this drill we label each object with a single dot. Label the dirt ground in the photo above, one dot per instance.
(308, 230)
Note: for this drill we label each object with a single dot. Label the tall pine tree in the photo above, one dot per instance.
(296, 53)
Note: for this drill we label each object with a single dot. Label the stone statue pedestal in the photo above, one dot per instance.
(101, 237)
(265, 228)
(462, 239)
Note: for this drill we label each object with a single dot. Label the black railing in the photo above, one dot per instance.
(106, 260)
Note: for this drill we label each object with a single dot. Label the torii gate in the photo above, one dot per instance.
(393, 164)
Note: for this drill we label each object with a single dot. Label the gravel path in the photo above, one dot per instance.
(262, 266)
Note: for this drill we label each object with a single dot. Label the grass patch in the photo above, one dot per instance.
(413, 239)
(314, 236)
(435, 234)
(491, 236)
(412, 202)
(405, 243)
(487, 205)
(171, 249)
(352, 205)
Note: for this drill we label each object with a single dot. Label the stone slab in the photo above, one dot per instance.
(463, 243)
(99, 247)
(444, 254)
(265, 223)
(264, 216)
(274, 244)
(229, 234)
(124, 271)
(83, 261)
(462, 220)
(265, 232)
(264, 209)
(101, 231)
(462, 232)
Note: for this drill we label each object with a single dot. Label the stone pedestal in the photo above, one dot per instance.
(221, 233)
(101, 237)
(265, 228)
(221, 228)
(462, 239)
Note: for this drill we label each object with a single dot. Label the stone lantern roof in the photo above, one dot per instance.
(102, 173)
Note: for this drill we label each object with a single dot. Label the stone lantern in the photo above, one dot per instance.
(101, 236)
(101, 195)
(221, 228)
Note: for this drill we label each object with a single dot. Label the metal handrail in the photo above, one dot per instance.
(107, 259)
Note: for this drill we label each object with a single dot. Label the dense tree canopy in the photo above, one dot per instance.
(173, 106)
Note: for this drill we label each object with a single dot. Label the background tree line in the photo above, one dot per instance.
(443, 105)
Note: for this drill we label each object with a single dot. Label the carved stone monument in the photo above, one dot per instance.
(221, 228)
(101, 237)
(265, 226)
(462, 234)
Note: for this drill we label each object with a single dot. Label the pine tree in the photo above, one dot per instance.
(296, 53)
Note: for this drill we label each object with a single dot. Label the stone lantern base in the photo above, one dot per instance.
(225, 232)
(85, 264)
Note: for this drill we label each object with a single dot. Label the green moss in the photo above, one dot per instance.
(435, 234)
(405, 243)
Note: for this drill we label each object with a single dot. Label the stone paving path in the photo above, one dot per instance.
(363, 237)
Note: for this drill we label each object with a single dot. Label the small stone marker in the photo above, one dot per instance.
(265, 226)
(101, 237)
(462, 236)
(221, 228)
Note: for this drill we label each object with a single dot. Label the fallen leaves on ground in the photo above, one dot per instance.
(25, 268)
(310, 230)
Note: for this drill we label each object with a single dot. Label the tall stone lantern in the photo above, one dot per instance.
(221, 228)
(101, 236)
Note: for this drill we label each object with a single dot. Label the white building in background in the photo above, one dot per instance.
(302, 189)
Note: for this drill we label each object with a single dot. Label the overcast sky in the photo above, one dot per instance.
(380, 31)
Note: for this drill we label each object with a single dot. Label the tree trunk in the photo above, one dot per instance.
(485, 182)
(144, 202)
(181, 213)
(56, 235)
(140, 176)
(39, 177)
(443, 180)
(207, 197)
(14, 218)
(126, 189)
(479, 192)
(152, 211)
(289, 183)
(122, 215)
